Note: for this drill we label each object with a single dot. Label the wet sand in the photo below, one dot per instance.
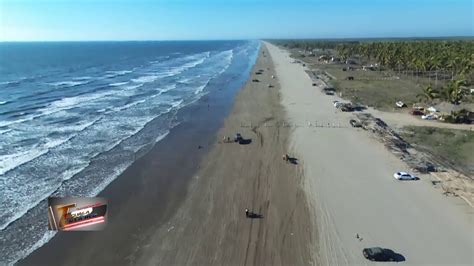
(180, 205)
(211, 227)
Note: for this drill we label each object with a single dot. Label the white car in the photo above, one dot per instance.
(429, 117)
(400, 104)
(404, 176)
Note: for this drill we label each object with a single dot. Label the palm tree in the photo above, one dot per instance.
(428, 94)
(436, 64)
(457, 57)
(455, 91)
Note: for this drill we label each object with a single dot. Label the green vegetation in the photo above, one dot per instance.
(372, 88)
(430, 71)
(369, 89)
(454, 92)
(451, 144)
(453, 56)
(456, 57)
(306, 45)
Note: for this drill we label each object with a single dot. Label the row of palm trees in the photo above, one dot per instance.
(456, 57)
(450, 56)
(306, 45)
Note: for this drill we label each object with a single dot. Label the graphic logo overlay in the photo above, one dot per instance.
(77, 214)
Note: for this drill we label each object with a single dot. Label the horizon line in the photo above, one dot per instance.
(249, 39)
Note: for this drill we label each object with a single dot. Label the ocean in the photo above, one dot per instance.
(75, 115)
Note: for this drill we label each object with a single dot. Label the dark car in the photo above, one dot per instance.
(329, 90)
(379, 254)
(347, 108)
(417, 112)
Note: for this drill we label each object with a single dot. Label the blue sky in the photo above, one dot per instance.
(40, 20)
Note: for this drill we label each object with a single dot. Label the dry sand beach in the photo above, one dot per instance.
(350, 188)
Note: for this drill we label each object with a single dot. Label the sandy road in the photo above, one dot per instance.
(403, 119)
(348, 180)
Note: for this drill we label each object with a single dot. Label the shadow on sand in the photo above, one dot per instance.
(245, 141)
(390, 256)
(253, 215)
(293, 160)
(394, 256)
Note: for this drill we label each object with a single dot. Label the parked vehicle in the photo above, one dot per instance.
(379, 254)
(338, 104)
(416, 112)
(404, 176)
(355, 123)
(347, 107)
(326, 90)
(429, 117)
(400, 104)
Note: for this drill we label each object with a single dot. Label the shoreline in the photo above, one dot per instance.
(203, 219)
(210, 228)
(133, 194)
